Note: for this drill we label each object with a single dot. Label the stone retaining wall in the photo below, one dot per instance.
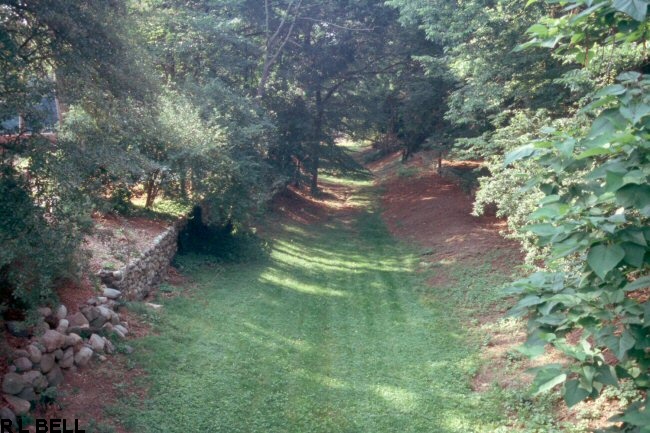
(138, 277)
(62, 342)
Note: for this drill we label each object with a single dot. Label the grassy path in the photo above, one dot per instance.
(329, 334)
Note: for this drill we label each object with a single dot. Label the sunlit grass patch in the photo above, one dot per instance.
(328, 334)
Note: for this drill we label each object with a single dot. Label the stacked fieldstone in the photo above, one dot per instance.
(66, 342)
(139, 276)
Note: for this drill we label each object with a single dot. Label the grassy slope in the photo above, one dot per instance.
(330, 334)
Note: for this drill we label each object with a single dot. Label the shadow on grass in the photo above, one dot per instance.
(327, 334)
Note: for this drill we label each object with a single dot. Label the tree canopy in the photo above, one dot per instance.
(225, 103)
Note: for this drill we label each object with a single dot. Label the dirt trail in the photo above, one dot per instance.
(434, 212)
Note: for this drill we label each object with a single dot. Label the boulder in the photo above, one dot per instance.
(78, 320)
(72, 340)
(52, 340)
(112, 293)
(47, 362)
(27, 394)
(104, 311)
(17, 405)
(40, 329)
(17, 328)
(34, 353)
(109, 347)
(68, 358)
(44, 311)
(58, 354)
(23, 364)
(121, 329)
(40, 384)
(13, 383)
(55, 376)
(97, 343)
(91, 313)
(6, 413)
(63, 326)
(97, 323)
(83, 356)
(61, 312)
(31, 376)
(19, 353)
(92, 301)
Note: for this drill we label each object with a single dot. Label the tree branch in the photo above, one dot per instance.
(352, 29)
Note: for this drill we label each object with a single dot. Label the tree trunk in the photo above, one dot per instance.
(183, 181)
(318, 132)
(151, 189)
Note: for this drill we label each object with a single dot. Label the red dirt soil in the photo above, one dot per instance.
(85, 394)
(434, 212)
(299, 206)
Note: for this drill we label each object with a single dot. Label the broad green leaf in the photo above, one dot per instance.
(587, 377)
(637, 177)
(608, 122)
(573, 394)
(519, 153)
(534, 346)
(633, 235)
(614, 181)
(629, 76)
(594, 151)
(569, 245)
(634, 254)
(635, 112)
(538, 30)
(614, 89)
(529, 301)
(637, 9)
(603, 258)
(547, 378)
(551, 42)
(636, 417)
(620, 345)
(607, 374)
(637, 196)
(555, 319)
(549, 199)
(543, 229)
(552, 210)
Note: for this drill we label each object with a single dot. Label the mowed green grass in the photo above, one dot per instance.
(330, 333)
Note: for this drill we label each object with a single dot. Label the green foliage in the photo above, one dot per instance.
(39, 244)
(594, 220)
(407, 171)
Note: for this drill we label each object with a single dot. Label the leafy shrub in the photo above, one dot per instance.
(39, 244)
